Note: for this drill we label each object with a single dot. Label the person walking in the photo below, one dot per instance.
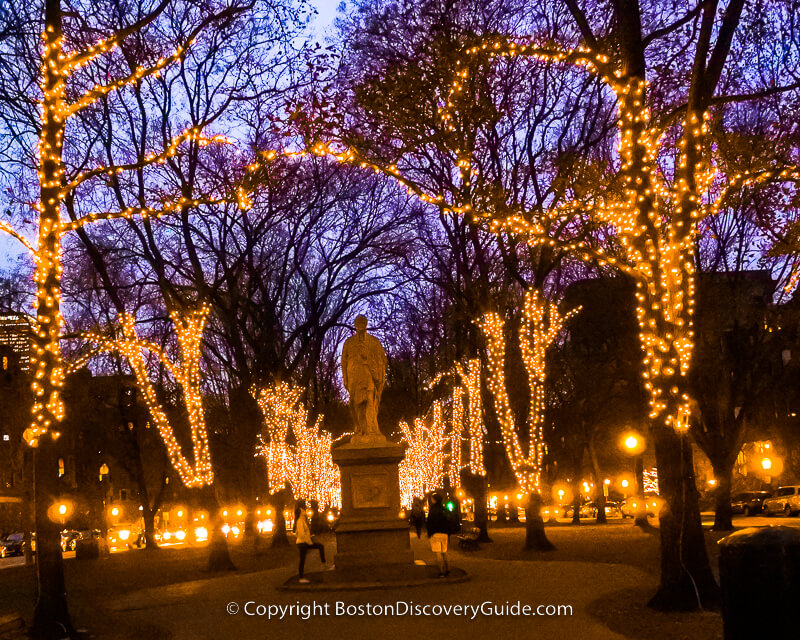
(418, 515)
(305, 541)
(438, 527)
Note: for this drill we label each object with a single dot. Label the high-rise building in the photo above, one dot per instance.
(16, 332)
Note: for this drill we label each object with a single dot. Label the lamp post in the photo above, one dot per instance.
(104, 473)
(633, 443)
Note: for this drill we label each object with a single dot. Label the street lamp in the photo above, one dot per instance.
(633, 443)
(104, 472)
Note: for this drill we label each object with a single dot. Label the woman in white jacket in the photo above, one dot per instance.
(304, 540)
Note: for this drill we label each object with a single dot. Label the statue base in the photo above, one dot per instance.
(371, 529)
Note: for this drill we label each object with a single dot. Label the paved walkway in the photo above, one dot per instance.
(198, 610)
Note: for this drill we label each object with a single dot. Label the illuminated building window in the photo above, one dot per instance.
(60, 467)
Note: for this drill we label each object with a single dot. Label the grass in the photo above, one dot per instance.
(618, 542)
(91, 581)
(625, 612)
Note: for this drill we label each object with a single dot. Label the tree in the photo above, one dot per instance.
(594, 375)
(736, 367)
(196, 473)
(540, 326)
(422, 470)
(652, 215)
(64, 94)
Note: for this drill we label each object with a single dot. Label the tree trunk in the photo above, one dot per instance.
(723, 514)
(251, 536)
(51, 619)
(535, 537)
(575, 485)
(219, 558)
(149, 518)
(686, 579)
(476, 487)
(279, 537)
(28, 513)
(600, 487)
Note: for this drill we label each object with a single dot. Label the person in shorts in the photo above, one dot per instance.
(438, 527)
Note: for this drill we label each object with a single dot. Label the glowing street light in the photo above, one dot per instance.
(766, 464)
(633, 444)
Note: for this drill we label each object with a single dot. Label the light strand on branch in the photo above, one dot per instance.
(541, 324)
(423, 469)
(456, 427)
(307, 465)
(470, 375)
(56, 69)
(189, 329)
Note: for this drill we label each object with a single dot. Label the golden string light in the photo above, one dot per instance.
(189, 327)
(423, 467)
(57, 68)
(456, 427)
(307, 465)
(541, 324)
(470, 374)
(655, 222)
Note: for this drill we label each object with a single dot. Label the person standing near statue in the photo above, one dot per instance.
(364, 374)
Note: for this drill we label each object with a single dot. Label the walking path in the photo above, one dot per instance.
(216, 608)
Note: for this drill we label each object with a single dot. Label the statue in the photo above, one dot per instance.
(364, 374)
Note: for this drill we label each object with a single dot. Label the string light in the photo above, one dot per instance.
(470, 374)
(189, 327)
(541, 324)
(456, 427)
(57, 68)
(655, 222)
(308, 465)
(423, 468)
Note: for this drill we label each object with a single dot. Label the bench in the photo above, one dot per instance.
(468, 539)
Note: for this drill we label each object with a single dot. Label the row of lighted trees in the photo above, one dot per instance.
(637, 209)
(638, 217)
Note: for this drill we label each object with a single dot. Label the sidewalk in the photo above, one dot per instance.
(197, 610)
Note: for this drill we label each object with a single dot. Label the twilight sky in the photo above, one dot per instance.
(9, 248)
(327, 12)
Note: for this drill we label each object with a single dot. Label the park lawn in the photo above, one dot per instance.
(626, 611)
(90, 582)
(618, 542)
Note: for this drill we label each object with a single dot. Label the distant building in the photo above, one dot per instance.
(16, 331)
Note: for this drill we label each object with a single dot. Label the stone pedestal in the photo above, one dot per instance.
(371, 529)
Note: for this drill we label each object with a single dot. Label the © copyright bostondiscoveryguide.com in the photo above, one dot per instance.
(399, 608)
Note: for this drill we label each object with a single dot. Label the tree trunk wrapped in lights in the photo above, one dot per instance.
(456, 427)
(423, 468)
(541, 324)
(197, 474)
(307, 466)
(56, 186)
